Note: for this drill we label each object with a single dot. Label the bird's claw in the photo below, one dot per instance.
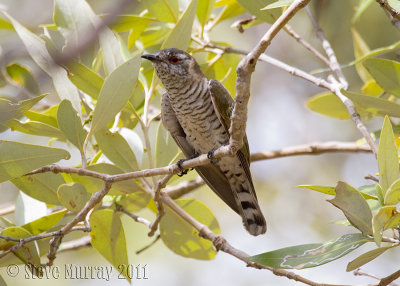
(181, 171)
(210, 156)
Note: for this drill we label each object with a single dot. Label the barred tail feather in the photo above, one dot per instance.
(253, 219)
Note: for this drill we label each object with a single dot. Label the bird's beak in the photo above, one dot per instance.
(151, 57)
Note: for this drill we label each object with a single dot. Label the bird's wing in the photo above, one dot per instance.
(223, 105)
(210, 173)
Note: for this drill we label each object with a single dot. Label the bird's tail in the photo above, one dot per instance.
(249, 210)
(242, 189)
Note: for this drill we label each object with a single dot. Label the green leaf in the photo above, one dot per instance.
(154, 36)
(163, 10)
(322, 189)
(386, 73)
(72, 196)
(377, 106)
(74, 19)
(255, 6)
(204, 9)
(354, 207)
(331, 191)
(85, 79)
(44, 223)
(225, 71)
(393, 47)
(35, 128)
(70, 124)
(371, 88)
(135, 201)
(48, 119)
(108, 237)
(392, 196)
(93, 185)
(123, 23)
(310, 255)
(360, 48)
(115, 147)
(181, 237)
(27, 253)
(380, 221)
(232, 9)
(17, 159)
(117, 89)
(365, 258)
(5, 25)
(42, 187)
(388, 162)
(23, 77)
(10, 110)
(180, 35)
(362, 6)
(166, 148)
(37, 49)
(328, 104)
(278, 4)
(2, 282)
(112, 53)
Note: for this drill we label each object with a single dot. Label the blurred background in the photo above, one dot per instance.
(277, 118)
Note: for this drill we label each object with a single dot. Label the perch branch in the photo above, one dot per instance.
(244, 71)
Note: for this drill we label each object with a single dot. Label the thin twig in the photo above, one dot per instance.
(333, 62)
(311, 149)
(133, 216)
(265, 58)
(7, 209)
(341, 82)
(149, 245)
(94, 200)
(372, 178)
(393, 12)
(305, 44)
(161, 183)
(23, 241)
(75, 244)
(359, 272)
(240, 23)
(184, 188)
(202, 159)
(355, 117)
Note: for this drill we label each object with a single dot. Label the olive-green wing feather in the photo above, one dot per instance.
(223, 105)
(210, 173)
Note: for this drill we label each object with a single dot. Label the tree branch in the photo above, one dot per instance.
(244, 71)
(393, 12)
(337, 85)
(94, 200)
(220, 243)
(311, 149)
(23, 241)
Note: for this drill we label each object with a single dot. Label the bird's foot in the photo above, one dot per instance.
(181, 171)
(210, 156)
(180, 161)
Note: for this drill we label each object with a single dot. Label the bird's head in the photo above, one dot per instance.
(174, 65)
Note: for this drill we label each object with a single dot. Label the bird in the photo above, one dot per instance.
(196, 112)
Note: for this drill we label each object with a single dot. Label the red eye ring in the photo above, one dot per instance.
(174, 60)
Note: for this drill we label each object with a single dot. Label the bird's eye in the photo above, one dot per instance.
(174, 60)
